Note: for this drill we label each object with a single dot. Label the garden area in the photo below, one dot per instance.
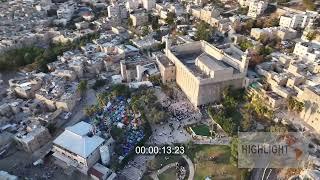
(160, 161)
(214, 162)
(175, 167)
(228, 115)
(200, 130)
(168, 174)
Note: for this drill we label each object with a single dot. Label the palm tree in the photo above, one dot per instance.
(102, 98)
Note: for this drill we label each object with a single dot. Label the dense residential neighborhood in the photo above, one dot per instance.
(155, 89)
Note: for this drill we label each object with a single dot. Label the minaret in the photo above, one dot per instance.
(168, 44)
(244, 62)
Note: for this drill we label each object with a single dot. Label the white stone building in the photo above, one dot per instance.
(298, 20)
(149, 4)
(77, 146)
(309, 51)
(256, 8)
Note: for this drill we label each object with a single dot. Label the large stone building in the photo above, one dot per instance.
(167, 69)
(137, 68)
(77, 146)
(203, 71)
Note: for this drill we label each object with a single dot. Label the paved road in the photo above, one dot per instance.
(160, 171)
(216, 141)
(77, 115)
(191, 167)
(163, 169)
(136, 168)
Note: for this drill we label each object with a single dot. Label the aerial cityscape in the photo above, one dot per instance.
(159, 90)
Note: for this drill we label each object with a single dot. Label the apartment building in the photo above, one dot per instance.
(256, 8)
(309, 51)
(298, 20)
(273, 32)
(139, 19)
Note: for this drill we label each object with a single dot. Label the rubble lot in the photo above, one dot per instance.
(19, 163)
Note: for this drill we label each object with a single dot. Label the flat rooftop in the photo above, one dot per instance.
(316, 89)
(75, 139)
(212, 63)
(188, 59)
(165, 61)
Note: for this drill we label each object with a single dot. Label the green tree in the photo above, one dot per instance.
(35, 58)
(271, 22)
(117, 134)
(154, 21)
(99, 83)
(247, 121)
(234, 151)
(170, 18)
(248, 25)
(245, 44)
(230, 104)
(82, 87)
(136, 104)
(311, 35)
(130, 23)
(299, 106)
(260, 109)
(226, 123)
(204, 31)
(120, 90)
(264, 50)
(161, 46)
(309, 4)
(243, 10)
(156, 80)
(264, 39)
(90, 110)
(294, 105)
(145, 30)
(278, 129)
(102, 100)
